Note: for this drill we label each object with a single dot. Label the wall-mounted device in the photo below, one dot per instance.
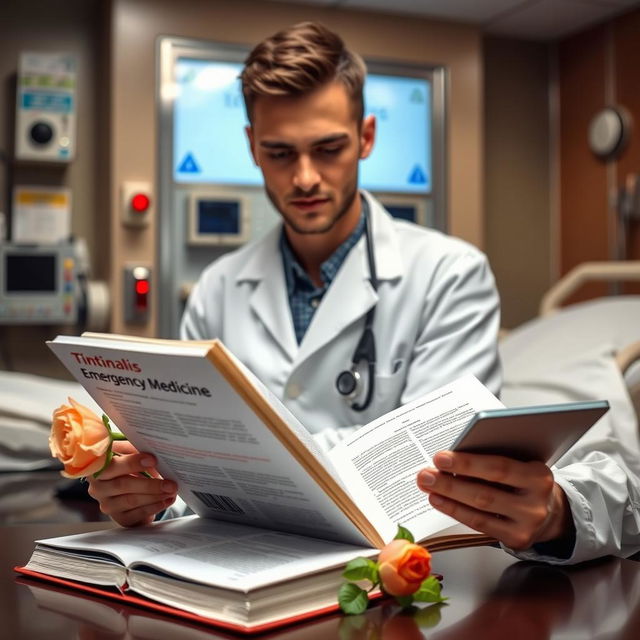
(136, 203)
(46, 107)
(218, 217)
(38, 284)
(137, 294)
(609, 132)
(406, 207)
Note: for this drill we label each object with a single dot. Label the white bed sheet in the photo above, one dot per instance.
(26, 405)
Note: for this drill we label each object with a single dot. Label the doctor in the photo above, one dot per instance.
(301, 306)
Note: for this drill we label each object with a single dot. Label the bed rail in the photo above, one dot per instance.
(588, 271)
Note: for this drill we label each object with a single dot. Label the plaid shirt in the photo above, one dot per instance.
(304, 296)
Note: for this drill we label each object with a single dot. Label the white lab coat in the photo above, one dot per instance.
(436, 318)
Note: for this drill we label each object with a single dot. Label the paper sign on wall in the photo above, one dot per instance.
(41, 215)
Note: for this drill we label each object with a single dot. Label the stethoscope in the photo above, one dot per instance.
(349, 381)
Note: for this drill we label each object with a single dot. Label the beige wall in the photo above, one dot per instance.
(137, 23)
(517, 174)
(53, 26)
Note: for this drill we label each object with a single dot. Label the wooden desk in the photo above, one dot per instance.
(491, 596)
(44, 496)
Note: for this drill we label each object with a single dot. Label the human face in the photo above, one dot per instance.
(308, 148)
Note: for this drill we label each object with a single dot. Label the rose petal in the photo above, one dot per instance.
(79, 439)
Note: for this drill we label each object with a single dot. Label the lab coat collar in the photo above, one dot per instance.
(351, 295)
(269, 300)
(348, 298)
(386, 244)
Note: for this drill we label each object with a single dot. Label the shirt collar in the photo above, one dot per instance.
(297, 277)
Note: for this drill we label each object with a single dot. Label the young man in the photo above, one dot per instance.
(293, 305)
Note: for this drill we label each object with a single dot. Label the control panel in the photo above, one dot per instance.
(46, 107)
(38, 284)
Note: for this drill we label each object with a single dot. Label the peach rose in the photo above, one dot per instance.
(403, 567)
(79, 439)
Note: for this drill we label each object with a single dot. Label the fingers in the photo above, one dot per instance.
(510, 500)
(123, 446)
(128, 497)
(498, 469)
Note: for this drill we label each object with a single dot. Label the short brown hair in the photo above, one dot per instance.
(299, 59)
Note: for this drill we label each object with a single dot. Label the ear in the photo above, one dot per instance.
(252, 143)
(367, 136)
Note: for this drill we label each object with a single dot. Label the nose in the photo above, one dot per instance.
(306, 176)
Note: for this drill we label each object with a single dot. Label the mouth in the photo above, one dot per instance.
(308, 204)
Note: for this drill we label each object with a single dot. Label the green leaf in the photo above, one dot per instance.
(429, 591)
(404, 534)
(361, 569)
(105, 422)
(427, 617)
(352, 599)
(404, 601)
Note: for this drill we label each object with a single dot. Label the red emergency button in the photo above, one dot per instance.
(140, 202)
(142, 287)
(142, 290)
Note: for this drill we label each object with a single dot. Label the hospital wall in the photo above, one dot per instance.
(596, 68)
(503, 189)
(75, 26)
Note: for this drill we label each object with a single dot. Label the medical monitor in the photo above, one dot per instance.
(38, 284)
(210, 145)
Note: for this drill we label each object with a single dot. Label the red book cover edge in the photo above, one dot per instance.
(155, 606)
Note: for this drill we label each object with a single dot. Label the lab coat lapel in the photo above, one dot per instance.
(348, 298)
(351, 295)
(269, 300)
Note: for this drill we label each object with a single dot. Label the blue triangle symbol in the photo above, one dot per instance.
(417, 176)
(189, 165)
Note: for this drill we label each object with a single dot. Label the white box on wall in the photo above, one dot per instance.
(46, 107)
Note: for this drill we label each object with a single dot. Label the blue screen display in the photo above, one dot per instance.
(210, 144)
(218, 216)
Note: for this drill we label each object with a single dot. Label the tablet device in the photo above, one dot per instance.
(542, 433)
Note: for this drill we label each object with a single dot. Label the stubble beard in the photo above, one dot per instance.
(290, 221)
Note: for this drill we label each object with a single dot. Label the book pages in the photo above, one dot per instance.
(381, 460)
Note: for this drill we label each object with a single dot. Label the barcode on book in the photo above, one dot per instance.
(219, 503)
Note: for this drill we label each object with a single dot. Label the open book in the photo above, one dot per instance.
(242, 460)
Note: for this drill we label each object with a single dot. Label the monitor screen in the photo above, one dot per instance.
(218, 216)
(210, 145)
(30, 273)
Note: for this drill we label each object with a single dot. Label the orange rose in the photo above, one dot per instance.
(79, 439)
(403, 567)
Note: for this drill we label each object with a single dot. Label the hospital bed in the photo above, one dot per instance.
(582, 351)
(589, 350)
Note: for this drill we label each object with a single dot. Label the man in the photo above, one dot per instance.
(293, 305)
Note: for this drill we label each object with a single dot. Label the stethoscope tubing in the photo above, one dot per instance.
(366, 348)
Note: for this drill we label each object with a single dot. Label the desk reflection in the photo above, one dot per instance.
(528, 601)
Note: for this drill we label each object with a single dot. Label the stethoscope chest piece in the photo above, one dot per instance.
(347, 382)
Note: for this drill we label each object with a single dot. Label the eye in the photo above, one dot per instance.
(330, 150)
(279, 154)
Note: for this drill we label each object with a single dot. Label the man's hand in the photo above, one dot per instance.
(518, 503)
(126, 496)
